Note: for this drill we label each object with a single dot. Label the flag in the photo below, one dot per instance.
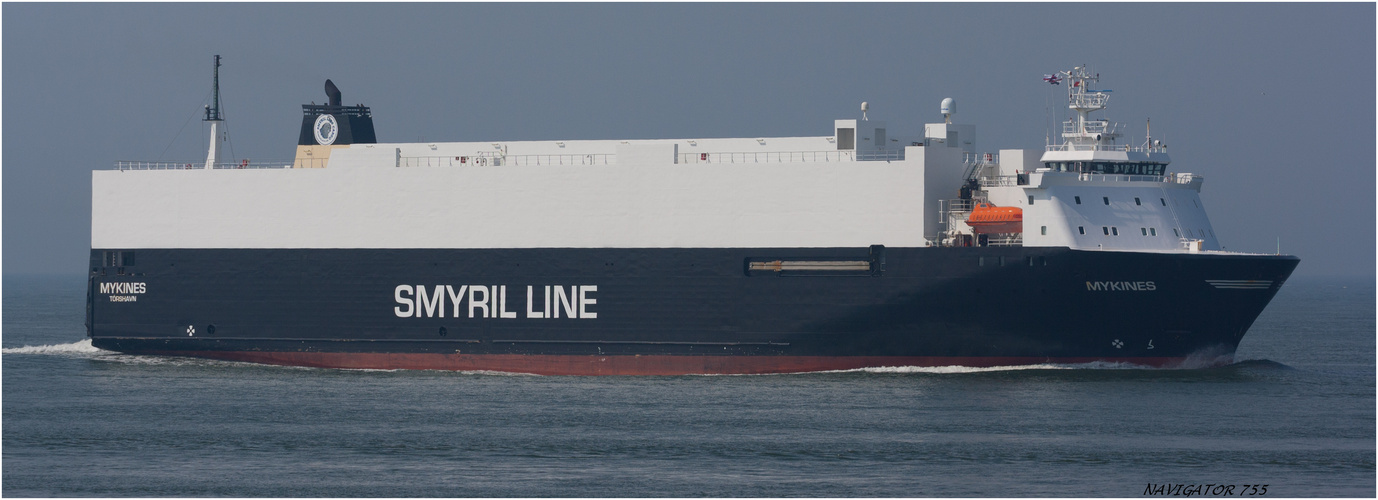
(1053, 79)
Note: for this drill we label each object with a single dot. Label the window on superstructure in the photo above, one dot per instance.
(1081, 229)
(1164, 201)
(1115, 231)
(1031, 199)
(1078, 198)
(1152, 231)
(1106, 199)
(1174, 231)
(1105, 229)
(1136, 201)
(1144, 230)
(1044, 230)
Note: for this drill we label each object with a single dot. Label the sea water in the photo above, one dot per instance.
(1294, 413)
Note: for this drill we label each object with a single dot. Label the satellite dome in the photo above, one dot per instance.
(949, 107)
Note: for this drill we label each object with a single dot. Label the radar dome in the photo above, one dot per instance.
(949, 107)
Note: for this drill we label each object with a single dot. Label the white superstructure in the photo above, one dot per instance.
(1089, 192)
(861, 185)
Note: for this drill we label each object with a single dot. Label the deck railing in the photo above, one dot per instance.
(482, 160)
(1021, 179)
(173, 165)
(1067, 146)
(792, 156)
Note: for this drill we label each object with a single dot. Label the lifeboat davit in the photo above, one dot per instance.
(989, 219)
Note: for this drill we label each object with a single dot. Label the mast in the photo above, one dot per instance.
(1084, 132)
(214, 118)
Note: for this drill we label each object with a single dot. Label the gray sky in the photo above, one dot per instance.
(1273, 103)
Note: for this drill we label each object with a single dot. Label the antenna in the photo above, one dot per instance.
(864, 107)
(213, 111)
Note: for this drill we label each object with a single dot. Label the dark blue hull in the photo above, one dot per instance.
(678, 310)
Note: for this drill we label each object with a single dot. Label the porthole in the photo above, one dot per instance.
(443, 331)
(210, 329)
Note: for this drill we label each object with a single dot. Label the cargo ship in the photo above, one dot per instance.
(863, 247)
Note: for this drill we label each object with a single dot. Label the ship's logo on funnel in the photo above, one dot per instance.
(326, 129)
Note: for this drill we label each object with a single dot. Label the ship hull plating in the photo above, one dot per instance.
(678, 311)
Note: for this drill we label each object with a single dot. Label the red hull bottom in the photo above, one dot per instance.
(641, 365)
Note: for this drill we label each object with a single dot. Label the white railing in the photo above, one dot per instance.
(1001, 181)
(481, 160)
(1170, 178)
(1067, 146)
(970, 158)
(1089, 100)
(1013, 240)
(169, 165)
(791, 156)
(1092, 127)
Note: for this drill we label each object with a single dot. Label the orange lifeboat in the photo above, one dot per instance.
(987, 219)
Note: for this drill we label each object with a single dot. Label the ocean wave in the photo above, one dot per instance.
(81, 348)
